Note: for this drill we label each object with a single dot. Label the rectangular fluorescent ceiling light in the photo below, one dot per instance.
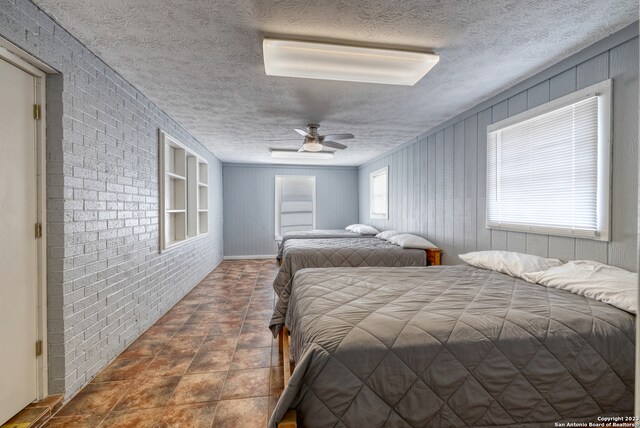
(294, 154)
(310, 60)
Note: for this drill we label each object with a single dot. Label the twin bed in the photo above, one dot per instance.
(316, 234)
(417, 346)
(335, 252)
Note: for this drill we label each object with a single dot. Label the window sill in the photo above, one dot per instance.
(552, 231)
(378, 217)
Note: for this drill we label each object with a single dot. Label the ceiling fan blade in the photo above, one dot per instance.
(334, 145)
(337, 137)
(303, 133)
(301, 149)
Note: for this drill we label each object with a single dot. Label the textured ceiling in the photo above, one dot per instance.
(201, 61)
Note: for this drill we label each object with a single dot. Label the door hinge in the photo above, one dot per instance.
(38, 348)
(36, 111)
(38, 230)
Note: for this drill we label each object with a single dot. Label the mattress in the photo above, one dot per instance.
(318, 234)
(451, 347)
(335, 252)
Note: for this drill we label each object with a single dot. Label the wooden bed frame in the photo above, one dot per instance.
(289, 420)
(434, 257)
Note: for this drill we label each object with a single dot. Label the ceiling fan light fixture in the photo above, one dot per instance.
(312, 60)
(294, 154)
(313, 147)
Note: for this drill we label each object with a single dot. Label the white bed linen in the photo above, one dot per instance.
(509, 262)
(598, 281)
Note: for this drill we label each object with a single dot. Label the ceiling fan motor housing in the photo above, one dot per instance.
(313, 129)
(314, 142)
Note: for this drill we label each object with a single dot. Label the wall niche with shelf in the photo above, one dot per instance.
(184, 182)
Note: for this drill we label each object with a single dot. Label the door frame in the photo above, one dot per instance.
(27, 63)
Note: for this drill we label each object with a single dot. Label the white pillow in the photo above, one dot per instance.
(598, 281)
(514, 264)
(362, 229)
(387, 234)
(407, 240)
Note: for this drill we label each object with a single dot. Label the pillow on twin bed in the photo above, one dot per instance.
(407, 240)
(362, 229)
(387, 234)
(514, 264)
(598, 281)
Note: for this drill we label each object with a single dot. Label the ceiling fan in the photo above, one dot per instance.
(314, 142)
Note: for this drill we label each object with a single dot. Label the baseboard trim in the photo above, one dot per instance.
(261, 256)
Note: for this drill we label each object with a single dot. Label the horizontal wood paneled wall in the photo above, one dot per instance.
(437, 184)
(249, 203)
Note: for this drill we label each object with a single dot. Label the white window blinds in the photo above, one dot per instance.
(379, 193)
(547, 170)
(295, 204)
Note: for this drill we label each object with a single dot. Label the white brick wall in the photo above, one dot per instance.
(107, 281)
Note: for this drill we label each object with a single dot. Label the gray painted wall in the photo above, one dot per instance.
(437, 182)
(249, 203)
(107, 282)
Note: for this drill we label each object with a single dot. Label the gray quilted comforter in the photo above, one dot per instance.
(335, 252)
(318, 234)
(451, 347)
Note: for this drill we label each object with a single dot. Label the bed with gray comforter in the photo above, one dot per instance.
(451, 347)
(335, 252)
(318, 234)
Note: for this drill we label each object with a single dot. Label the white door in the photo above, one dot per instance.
(18, 251)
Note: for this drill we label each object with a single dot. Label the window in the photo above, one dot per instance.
(184, 189)
(548, 168)
(379, 194)
(295, 203)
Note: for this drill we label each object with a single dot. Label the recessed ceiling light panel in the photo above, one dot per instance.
(328, 61)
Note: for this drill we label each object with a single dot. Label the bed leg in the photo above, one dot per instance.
(286, 357)
(289, 420)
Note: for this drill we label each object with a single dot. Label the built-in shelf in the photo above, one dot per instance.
(203, 197)
(174, 195)
(203, 222)
(184, 180)
(175, 176)
(203, 173)
(174, 230)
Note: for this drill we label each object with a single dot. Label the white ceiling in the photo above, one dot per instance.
(201, 61)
